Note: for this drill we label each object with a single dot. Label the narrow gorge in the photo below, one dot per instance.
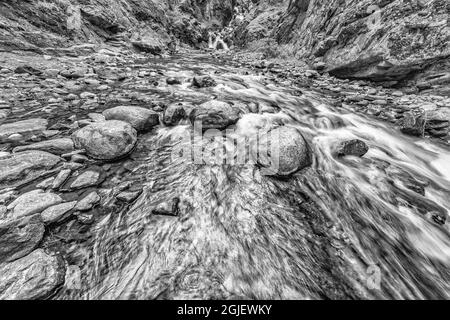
(224, 149)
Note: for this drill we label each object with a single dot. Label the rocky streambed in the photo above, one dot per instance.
(103, 194)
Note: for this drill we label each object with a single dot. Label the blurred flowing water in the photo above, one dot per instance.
(345, 228)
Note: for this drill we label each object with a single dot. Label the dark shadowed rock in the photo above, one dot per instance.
(204, 82)
(173, 81)
(34, 276)
(108, 140)
(140, 119)
(25, 69)
(167, 208)
(353, 147)
(19, 238)
(23, 166)
(215, 114)
(283, 151)
(412, 124)
(174, 113)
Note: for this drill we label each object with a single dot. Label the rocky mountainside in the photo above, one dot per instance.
(36, 25)
(385, 40)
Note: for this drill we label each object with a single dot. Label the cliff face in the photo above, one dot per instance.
(382, 40)
(36, 24)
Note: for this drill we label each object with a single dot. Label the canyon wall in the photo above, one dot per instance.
(37, 24)
(387, 41)
(378, 40)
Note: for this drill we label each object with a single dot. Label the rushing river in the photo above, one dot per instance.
(344, 228)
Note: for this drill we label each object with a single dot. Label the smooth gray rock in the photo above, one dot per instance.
(215, 114)
(140, 119)
(57, 212)
(24, 127)
(19, 238)
(108, 140)
(283, 151)
(55, 146)
(34, 276)
(22, 166)
(62, 177)
(88, 202)
(32, 202)
(86, 179)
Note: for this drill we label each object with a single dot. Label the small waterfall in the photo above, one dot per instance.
(217, 43)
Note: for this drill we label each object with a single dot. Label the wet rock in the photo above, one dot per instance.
(412, 124)
(19, 238)
(45, 184)
(167, 208)
(24, 127)
(74, 73)
(353, 147)
(55, 146)
(24, 166)
(62, 177)
(34, 276)
(32, 202)
(128, 196)
(86, 218)
(57, 212)
(3, 211)
(204, 82)
(215, 114)
(174, 113)
(4, 154)
(438, 217)
(96, 117)
(88, 202)
(148, 45)
(108, 140)
(28, 70)
(86, 179)
(438, 122)
(283, 151)
(173, 81)
(140, 119)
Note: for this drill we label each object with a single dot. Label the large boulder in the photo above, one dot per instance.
(107, 140)
(215, 114)
(283, 151)
(140, 118)
(55, 146)
(19, 238)
(34, 276)
(24, 127)
(20, 167)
